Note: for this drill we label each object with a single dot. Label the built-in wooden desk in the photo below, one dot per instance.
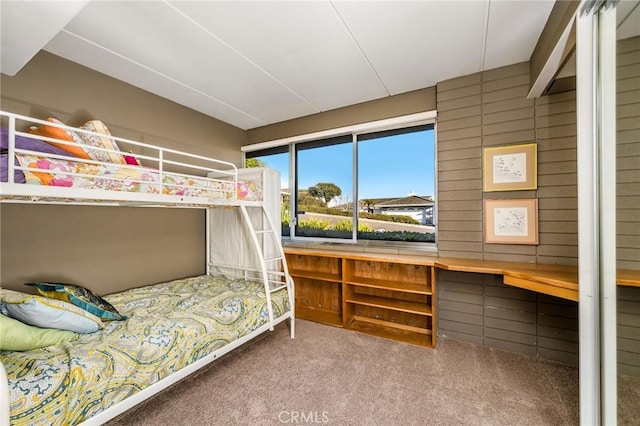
(555, 280)
(392, 295)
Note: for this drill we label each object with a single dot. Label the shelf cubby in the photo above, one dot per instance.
(386, 296)
(398, 305)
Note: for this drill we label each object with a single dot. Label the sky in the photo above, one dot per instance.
(393, 166)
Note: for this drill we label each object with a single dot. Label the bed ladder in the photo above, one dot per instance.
(271, 274)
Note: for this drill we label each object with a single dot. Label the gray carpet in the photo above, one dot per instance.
(333, 376)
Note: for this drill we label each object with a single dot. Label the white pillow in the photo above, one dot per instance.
(47, 313)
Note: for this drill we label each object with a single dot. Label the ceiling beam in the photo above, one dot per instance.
(554, 44)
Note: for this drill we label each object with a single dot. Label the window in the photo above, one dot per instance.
(396, 185)
(380, 179)
(278, 159)
(324, 181)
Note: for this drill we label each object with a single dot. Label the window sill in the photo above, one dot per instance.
(419, 249)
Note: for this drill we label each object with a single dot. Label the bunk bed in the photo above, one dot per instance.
(162, 332)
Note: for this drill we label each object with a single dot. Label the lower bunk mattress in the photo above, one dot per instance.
(169, 326)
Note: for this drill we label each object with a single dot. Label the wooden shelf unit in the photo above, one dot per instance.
(318, 292)
(387, 296)
(389, 299)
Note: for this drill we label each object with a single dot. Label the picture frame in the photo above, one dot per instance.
(511, 221)
(510, 168)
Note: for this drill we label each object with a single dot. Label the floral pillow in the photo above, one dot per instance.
(97, 126)
(80, 297)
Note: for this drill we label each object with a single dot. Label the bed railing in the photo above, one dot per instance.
(166, 175)
(4, 397)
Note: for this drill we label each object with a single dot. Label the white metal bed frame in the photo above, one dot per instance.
(273, 279)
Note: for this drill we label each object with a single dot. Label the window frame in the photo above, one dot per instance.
(395, 123)
(294, 177)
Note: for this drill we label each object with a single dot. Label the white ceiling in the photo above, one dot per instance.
(256, 63)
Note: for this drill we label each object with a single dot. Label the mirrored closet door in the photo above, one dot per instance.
(627, 109)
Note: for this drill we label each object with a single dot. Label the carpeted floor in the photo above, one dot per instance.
(332, 376)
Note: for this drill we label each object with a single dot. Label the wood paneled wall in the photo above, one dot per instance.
(629, 331)
(479, 308)
(628, 201)
(628, 153)
(490, 109)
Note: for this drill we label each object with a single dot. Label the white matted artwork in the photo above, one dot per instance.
(511, 221)
(510, 168)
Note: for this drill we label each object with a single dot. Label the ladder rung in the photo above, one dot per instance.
(272, 259)
(264, 231)
(273, 290)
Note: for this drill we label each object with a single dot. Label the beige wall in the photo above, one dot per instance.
(103, 248)
(392, 106)
(106, 248)
(51, 86)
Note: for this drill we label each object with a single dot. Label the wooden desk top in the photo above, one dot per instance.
(558, 275)
(556, 280)
(628, 277)
(425, 260)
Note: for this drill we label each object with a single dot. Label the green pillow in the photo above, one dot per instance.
(18, 336)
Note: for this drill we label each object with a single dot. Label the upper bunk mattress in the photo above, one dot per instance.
(119, 177)
(169, 326)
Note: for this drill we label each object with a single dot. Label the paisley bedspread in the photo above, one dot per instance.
(169, 326)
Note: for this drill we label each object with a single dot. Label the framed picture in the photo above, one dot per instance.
(511, 221)
(510, 168)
